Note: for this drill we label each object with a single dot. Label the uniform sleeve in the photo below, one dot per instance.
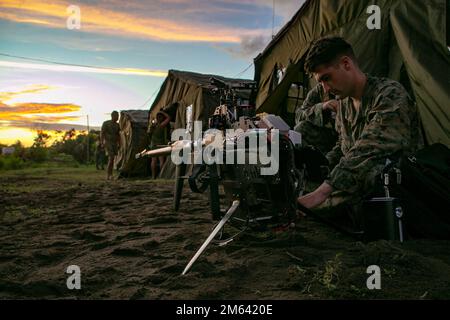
(311, 108)
(103, 132)
(171, 110)
(118, 131)
(335, 154)
(387, 131)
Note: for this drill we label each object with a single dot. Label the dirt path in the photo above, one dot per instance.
(129, 244)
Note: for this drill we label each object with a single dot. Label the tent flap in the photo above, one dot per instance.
(133, 139)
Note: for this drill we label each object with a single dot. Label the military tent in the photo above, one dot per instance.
(189, 88)
(133, 139)
(411, 46)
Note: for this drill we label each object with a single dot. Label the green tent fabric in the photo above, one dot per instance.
(189, 88)
(133, 139)
(411, 47)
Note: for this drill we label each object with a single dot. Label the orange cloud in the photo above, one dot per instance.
(33, 118)
(19, 122)
(6, 96)
(23, 19)
(95, 19)
(38, 112)
(39, 108)
(44, 126)
(31, 112)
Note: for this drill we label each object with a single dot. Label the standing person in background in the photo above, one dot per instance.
(100, 155)
(110, 139)
(158, 132)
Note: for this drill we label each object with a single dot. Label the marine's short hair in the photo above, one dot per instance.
(114, 113)
(326, 51)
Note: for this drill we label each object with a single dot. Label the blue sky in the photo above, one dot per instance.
(151, 37)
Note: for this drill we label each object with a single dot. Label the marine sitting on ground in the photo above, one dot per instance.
(376, 120)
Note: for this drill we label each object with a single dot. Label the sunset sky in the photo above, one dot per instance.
(128, 47)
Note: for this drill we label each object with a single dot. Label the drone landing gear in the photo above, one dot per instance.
(216, 230)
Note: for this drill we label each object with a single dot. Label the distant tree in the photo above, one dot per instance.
(76, 145)
(17, 144)
(38, 151)
(66, 144)
(70, 134)
(41, 139)
(19, 150)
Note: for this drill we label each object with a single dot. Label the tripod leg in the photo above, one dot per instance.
(179, 182)
(214, 192)
(216, 230)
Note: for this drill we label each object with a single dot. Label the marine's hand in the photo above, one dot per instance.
(331, 105)
(315, 198)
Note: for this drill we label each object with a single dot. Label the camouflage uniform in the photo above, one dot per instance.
(386, 126)
(315, 124)
(100, 156)
(158, 136)
(110, 132)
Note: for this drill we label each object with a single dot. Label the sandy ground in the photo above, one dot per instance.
(129, 244)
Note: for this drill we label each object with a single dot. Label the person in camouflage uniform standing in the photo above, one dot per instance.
(110, 138)
(314, 119)
(376, 121)
(158, 132)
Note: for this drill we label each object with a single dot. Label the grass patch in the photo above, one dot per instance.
(162, 181)
(330, 276)
(51, 176)
(10, 163)
(54, 170)
(26, 188)
(12, 216)
(15, 214)
(313, 282)
(48, 177)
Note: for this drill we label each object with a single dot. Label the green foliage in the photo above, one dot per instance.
(40, 141)
(70, 150)
(327, 278)
(36, 154)
(62, 159)
(19, 150)
(330, 276)
(53, 175)
(76, 146)
(11, 162)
